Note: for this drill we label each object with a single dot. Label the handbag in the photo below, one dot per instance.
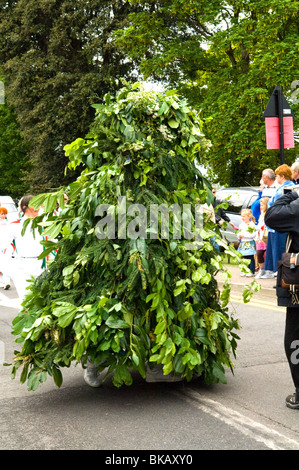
(265, 235)
(288, 272)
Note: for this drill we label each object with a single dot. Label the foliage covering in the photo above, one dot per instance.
(128, 302)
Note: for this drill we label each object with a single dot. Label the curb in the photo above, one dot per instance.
(266, 294)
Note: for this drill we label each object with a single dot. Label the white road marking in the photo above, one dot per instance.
(272, 439)
(6, 302)
(259, 303)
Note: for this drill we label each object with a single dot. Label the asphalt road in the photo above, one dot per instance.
(174, 420)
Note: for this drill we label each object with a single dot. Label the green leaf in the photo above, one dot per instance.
(173, 124)
(163, 109)
(201, 335)
(65, 313)
(53, 230)
(57, 376)
(115, 322)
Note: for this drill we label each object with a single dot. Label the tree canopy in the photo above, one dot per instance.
(58, 58)
(226, 57)
(14, 164)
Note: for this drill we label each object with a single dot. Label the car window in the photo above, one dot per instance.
(252, 199)
(236, 199)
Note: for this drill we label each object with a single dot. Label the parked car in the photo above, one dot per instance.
(9, 204)
(237, 199)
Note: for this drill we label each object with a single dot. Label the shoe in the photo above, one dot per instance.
(156, 375)
(260, 273)
(267, 275)
(249, 275)
(292, 401)
(275, 274)
(243, 274)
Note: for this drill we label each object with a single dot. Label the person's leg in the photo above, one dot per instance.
(291, 344)
(279, 245)
(269, 266)
(4, 281)
(260, 254)
(268, 258)
(251, 265)
(20, 271)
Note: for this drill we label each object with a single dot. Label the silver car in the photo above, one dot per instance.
(237, 199)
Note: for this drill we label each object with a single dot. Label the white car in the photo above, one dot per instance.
(8, 203)
(237, 199)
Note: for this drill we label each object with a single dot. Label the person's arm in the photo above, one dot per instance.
(224, 215)
(283, 216)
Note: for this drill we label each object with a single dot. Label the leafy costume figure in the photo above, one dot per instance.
(129, 302)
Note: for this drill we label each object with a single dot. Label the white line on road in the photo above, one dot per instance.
(248, 427)
(6, 302)
(260, 304)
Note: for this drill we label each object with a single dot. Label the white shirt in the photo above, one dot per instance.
(4, 236)
(248, 231)
(269, 191)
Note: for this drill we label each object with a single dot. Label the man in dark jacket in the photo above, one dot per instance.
(220, 214)
(283, 217)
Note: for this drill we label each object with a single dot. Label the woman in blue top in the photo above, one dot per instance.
(276, 243)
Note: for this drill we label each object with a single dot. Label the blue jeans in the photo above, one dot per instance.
(276, 245)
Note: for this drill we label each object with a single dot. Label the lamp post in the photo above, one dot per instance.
(279, 123)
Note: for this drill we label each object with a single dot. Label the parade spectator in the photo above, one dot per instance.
(255, 206)
(4, 243)
(261, 238)
(25, 262)
(267, 188)
(246, 235)
(276, 242)
(220, 214)
(270, 183)
(295, 172)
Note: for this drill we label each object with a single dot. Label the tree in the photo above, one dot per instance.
(226, 58)
(58, 58)
(13, 155)
(120, 292)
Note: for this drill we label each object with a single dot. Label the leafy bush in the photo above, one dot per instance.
(121, 301)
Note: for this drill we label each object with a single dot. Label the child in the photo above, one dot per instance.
(261, 238)
(246, 235)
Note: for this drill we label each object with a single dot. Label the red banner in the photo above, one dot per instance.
(272, 132)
